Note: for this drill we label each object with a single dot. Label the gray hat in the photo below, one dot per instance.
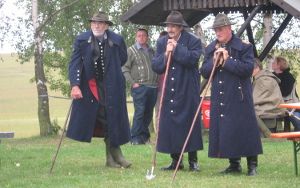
(220, 21)
(175, 18)
(101, 17)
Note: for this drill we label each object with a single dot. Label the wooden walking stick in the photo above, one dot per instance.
(217, 62)
(150, 174)
(62, 136)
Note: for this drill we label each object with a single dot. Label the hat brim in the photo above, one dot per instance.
(106, 21)
(184, 24)
(222, 25)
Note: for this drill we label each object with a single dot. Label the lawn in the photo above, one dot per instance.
(26, 163)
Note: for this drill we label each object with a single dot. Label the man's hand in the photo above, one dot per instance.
(135, 85)
(76, 92)
(220, 56)
(171, 45)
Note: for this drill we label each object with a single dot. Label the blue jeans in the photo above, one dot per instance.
(295, 121)
(144, 99)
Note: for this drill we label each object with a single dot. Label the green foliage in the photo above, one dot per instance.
(55, 128)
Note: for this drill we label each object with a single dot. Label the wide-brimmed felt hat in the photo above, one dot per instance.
(220, 21)
(175, 18)
(101, 17)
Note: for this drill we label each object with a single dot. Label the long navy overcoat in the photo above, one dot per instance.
(233, 127)
(81, 71)
(181, 94)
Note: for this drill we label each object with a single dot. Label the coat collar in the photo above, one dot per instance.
(235, 43)
(87, 36)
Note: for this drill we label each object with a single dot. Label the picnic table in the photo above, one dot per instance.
(6, 135)
(292, 136)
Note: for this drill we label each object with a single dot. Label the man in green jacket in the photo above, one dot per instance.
(138, 72)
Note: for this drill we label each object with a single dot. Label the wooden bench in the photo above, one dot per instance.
(6, 135)
(292, 136)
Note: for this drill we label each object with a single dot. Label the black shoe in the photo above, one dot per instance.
(172, 166)
(194, 167)
(232, 169)
(252, 172)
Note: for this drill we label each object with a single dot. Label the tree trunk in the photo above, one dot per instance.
(40, 80)
(267, 34)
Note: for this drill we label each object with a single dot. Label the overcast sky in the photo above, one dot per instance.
(10, 10)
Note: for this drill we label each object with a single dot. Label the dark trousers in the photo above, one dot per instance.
(101, 120)
(192, 156)
(144, 99)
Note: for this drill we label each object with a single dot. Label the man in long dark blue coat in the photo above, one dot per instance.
(233, 129)
(181, 92)
(98, 89)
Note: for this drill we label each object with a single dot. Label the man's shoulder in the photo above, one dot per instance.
(114, 36)
(211, 47)
(239, 43)
(190, 35)
(84, 35)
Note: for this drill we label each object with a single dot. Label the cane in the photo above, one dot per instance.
(62, 135)
(216, 62)
(150, 174)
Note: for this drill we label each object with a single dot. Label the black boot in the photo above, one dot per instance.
(193, 161)
(110, 162)
(252, 165)
(234, 166)
(118, 157)
(172, 166)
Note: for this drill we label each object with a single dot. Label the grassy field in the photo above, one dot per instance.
(25, 163)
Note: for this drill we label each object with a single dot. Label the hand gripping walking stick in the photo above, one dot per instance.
(150, 174)
(62, 136)
(216, 62)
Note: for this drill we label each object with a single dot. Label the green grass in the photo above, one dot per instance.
(83, 165)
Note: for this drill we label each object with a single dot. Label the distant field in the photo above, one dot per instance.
(18, 99)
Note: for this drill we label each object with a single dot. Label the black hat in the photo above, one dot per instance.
(101, 17)
(175, 18)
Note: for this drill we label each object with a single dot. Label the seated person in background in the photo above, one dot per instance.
(266, 98)
(287, 86)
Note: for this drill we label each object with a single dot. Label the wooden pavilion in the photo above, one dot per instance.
(154, 12)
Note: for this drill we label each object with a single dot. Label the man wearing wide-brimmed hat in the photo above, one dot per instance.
(233, 129)
(98, 89)
(181, 93)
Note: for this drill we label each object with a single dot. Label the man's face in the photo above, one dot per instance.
(141, 37)
(98, 28)
(174, 30)
(223, 33)
(275, 66)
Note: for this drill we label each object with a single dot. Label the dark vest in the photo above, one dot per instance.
(100, 63)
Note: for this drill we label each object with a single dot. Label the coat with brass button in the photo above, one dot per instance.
(181, 94)
(81, 71)
(233, 127)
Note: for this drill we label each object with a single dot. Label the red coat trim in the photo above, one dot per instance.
(93, 88)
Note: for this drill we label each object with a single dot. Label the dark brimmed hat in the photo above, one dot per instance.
(220, 21)
(101, 17)
(175, 18)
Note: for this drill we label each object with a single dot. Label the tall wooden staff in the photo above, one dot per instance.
(150, 174)
(62, 136)
(216, 62)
